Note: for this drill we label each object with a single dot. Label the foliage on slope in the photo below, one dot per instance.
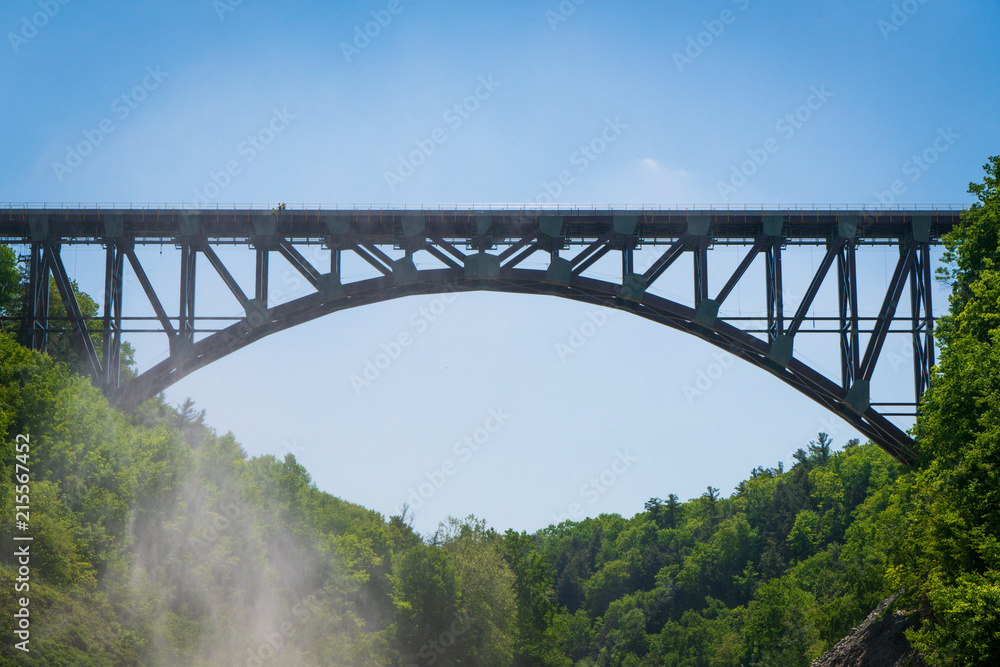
(772, 575)
(159, 542)
(950, 560)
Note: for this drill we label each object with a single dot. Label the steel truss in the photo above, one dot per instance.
(466, 250)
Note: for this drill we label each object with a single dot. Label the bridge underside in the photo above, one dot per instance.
(426, 252)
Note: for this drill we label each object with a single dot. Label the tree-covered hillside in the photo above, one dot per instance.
(157, 541)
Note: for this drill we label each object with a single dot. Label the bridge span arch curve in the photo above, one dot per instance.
(422, 252)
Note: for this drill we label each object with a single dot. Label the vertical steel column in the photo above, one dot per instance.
(113, 279)
(775, 300)
(850, 355)
(260, 284)
(628, 256)
(36, 314)
(335, 258)
(922, 315)
(701, 270)
(928, 310)
(186, 321)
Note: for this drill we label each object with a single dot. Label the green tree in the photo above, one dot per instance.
(972, 253)
(950, 559)
(672, 510)
(537, 637)
(663, 513)
(10, 287)
(427, 602)
(819, 449)
(805, 535)
(487, 590)
(778, 631)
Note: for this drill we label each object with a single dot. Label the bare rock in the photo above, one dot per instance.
(877, 642)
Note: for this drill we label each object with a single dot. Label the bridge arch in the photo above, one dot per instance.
(496, 243)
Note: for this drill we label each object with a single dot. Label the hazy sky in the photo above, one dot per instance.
(420, 103)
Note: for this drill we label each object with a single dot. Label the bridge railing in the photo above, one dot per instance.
(486, 206)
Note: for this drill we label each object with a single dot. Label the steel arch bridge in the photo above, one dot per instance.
(484, 249)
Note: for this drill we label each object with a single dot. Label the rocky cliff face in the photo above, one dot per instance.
(877, 642)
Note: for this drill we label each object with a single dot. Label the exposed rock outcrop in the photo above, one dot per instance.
(877, 642)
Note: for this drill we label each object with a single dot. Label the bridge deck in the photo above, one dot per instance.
(383, 226)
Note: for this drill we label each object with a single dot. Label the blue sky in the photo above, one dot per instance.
(165, 97)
